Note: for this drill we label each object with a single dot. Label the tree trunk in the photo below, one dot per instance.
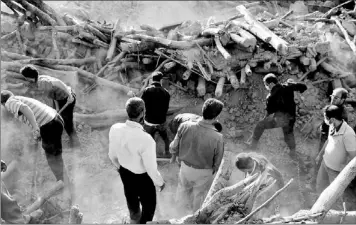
(335, 190)
(261, 31)
(112, 47)
(44, 17)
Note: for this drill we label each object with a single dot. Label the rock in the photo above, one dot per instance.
(250, 107)
(231, 110)
(207, 96)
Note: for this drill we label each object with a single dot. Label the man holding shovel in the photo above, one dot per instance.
(62, 96)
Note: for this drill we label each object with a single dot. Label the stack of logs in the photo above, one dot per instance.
(192, 53)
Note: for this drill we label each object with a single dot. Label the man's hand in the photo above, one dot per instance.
(3, 166)
(70, 99)
(36, 134)
(162, 187)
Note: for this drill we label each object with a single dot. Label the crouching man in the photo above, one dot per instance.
(200, 148)
(184, 117)
(253, 163)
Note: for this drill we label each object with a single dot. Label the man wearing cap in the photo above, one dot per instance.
(156, 100)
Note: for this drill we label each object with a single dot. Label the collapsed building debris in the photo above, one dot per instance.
(195, 55)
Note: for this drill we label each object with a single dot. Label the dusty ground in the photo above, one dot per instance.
(98, 187)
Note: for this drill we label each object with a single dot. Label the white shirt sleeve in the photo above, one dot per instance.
(148, 154)
(112, 148)
(350, 144)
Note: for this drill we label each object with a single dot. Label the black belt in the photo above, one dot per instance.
(192, 166)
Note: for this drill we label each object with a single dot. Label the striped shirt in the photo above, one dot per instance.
(46, 83)
(42, 112)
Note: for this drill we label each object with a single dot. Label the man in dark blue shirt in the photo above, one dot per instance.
(280, 103)
(156, 100)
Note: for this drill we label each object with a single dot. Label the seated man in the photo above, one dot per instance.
(183, 117)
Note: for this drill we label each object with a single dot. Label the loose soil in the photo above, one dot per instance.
(98, 188)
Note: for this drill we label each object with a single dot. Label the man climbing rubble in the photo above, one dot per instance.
(133, 152)
(156, 100)
(338, 150)
(46, 124)
(280, 103)
(200, 148)
(63, 98)
(183, 117)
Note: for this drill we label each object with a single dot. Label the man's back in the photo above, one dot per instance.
(156, 100)
(200, 143)
(43, 113)
(181, 118)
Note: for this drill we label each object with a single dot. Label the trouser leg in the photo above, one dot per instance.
(163, 132)
(131, 194)
(289, 135)
(148, 199)
(67, 115)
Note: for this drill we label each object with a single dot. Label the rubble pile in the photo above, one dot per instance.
(206, 58)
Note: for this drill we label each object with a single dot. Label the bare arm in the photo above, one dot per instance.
(174, 146)
(350, 144)
(27, 112)
(56, 105)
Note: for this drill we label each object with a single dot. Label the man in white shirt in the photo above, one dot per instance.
(337, 152)
(133, 152)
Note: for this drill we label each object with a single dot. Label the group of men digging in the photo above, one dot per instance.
(47, 124)
(198, 145)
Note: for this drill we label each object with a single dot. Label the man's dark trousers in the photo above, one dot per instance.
(162, 130)
(67, 115)
(51, 134)
(279, 119)
(139, 188)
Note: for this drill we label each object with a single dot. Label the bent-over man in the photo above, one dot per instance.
(156, 100)
(183, 117)
(280, 103)
(47, 125)
(63, 98)
(200, 148)
(133, 152)
(337, 152)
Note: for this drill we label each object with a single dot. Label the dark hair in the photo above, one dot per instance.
(5, 95)
(157, 76)
(218, 126)
(134, 107)
(29, 71)
(270, 78)
(333, 111)
(343, 92)
(212, 108)
(243, 161)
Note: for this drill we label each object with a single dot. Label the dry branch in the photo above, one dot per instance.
(347, 37)
(41, 15)
(44, 197)
(265, 203)
(174, 44)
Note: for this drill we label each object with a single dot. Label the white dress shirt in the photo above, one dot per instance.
(135, 149)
